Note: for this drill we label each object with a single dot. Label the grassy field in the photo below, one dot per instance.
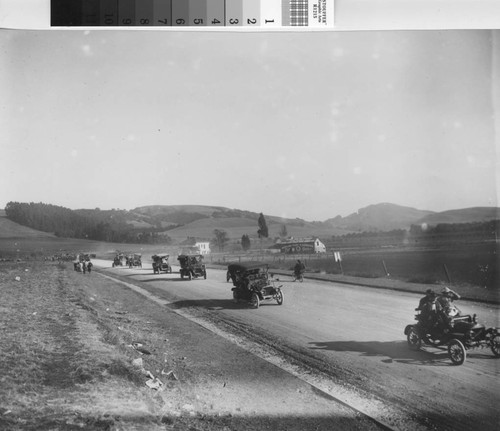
(59, 367)
(473, 265)
(37, 248)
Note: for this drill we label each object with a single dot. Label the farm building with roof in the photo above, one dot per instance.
(300, 246)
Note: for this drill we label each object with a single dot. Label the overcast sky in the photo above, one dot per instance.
(307, 125)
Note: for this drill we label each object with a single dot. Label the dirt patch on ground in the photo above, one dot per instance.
(82, 352)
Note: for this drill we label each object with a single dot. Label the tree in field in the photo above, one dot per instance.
(220, 239)
(263, 231)
(245, 242)
(283, 231)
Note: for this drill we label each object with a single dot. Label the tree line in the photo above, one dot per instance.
(108, 226)
(442, 232)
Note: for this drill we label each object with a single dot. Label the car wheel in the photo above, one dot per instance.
(279, 297)
(495, 345)
(255, 301)
(414, 340)
(456, 352)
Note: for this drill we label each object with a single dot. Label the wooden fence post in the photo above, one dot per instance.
(385, 268)
(447, 273)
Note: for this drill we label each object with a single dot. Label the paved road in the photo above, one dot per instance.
(354, 334)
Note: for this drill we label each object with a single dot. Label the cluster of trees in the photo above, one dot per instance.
(488, 229)
(445, 232)
(221, 238)
(109, 226)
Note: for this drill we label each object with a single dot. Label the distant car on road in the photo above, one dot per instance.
(192, 266)
(135, 260)
(160, 263)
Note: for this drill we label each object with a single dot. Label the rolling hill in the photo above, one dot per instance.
(199, 221)
(466, 215)
(379, 217)
(10, 229)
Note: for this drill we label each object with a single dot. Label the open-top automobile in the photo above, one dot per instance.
(252, 283)
(192, 266)
(160, 263)
(135, 260)
(459, 333)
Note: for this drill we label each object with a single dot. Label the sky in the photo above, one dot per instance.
(308, 125)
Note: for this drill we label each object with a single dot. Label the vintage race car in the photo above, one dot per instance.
(192, 266)
(459, 333)
(252, 283)
(160, 263)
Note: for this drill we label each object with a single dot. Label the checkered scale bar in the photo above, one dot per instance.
(299, 13)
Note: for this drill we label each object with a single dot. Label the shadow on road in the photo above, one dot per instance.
(158, 278)
(215, 304)
(390, 351)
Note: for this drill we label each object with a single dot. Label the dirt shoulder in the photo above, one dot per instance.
(83, 352)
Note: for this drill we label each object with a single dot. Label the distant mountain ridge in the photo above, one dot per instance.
(202, 220)
(380, 217)
(181, 221)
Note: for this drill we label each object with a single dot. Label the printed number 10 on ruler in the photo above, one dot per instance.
(193, 13)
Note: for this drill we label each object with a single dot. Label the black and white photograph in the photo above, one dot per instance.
(249, 230)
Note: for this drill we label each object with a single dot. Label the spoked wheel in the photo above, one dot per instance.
(279, 297)
(456, 352)
(255, 301)
(414, 340)
(495, 345)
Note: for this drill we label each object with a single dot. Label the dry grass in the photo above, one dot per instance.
(56, 369)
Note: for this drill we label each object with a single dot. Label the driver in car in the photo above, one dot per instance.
(428, 309)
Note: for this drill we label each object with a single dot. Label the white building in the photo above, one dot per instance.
(203, 247)
(299, 246)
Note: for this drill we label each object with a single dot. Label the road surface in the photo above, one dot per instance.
(354, 336)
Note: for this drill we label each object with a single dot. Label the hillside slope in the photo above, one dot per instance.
(383, 217)
(10, 229)
(465, 215)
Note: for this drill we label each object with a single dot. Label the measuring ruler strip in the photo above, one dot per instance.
(258, 14)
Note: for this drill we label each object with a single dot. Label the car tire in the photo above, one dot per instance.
(413, 339)
(255, 300)
(456, 352)
(495, 345)
(280, 297)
